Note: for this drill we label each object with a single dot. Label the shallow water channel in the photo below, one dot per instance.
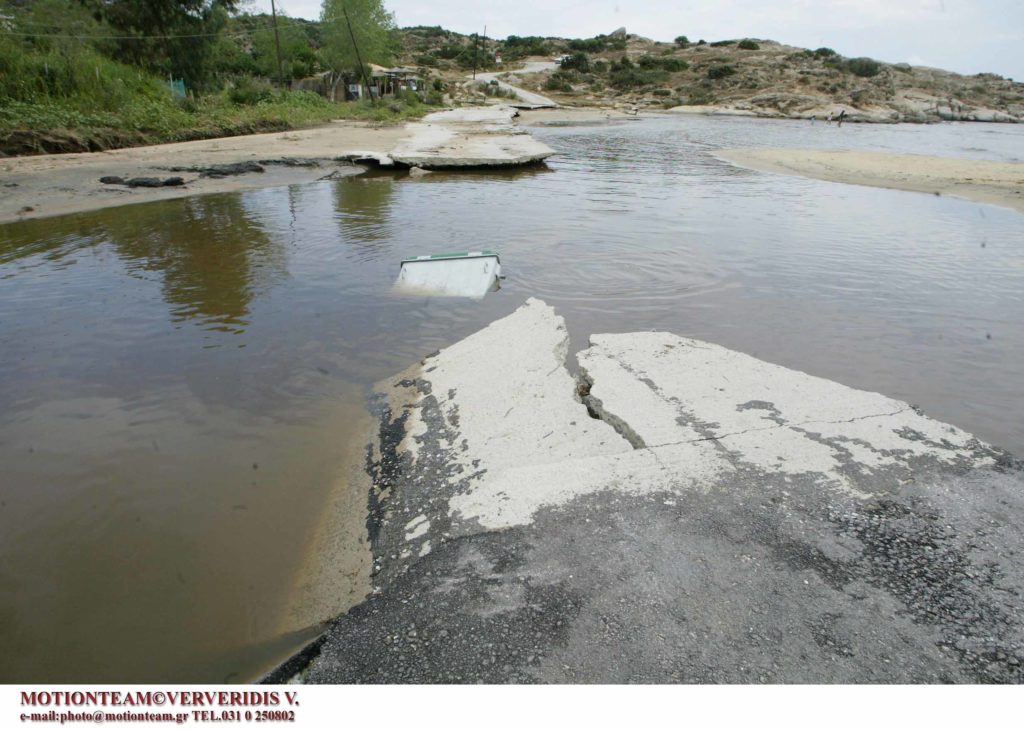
(180, 381)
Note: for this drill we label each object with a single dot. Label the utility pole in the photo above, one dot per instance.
(359, 58)
(475, 39)
(277, 42)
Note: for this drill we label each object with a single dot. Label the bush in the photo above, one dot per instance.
(517, 47)
(588, 45)
(631, 77)
(561, 81)
(666, 64)
(749, 45)
(248, 91)
(865, 67)
(824, 52)
(662, 92)
(426, 60)
(716, 44)
(557, 83)
(578, 61)
(723, 71)
(682, 41)
(450, 51)
(674, 64)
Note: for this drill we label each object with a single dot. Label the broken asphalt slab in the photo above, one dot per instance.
(682, 513)
(477, 136)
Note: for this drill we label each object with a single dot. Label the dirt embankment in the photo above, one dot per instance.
(63, 141)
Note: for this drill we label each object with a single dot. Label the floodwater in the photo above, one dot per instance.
(180, 381)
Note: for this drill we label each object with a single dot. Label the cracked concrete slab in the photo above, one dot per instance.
(713, 518)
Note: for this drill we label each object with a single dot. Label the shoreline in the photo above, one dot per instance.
(981, 181)
(60, 184)
(41, 186)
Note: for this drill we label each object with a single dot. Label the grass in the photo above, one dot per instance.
(61, 125)
(73, 98)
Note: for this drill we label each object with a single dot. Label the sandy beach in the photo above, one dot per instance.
(996, 183)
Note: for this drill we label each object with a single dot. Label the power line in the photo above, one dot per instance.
(232, 34)
(124, 37)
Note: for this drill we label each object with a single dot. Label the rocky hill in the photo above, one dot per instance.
(748, 76)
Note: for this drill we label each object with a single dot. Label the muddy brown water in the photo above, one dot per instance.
(181, 382)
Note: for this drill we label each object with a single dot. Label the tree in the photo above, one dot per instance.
(577, 61)
(372, 25)
(166, 36)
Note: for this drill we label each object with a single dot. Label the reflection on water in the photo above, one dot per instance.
(212, 259)
(178, 380)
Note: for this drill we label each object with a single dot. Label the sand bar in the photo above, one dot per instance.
(996, 183)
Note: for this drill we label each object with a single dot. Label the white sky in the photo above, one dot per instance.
(967, 36)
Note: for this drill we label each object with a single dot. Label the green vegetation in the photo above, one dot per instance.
(865, 67)
(721, 71)
(558, 81)
(665, 64)
(577, 61)
(370, 23)
(748, 45)
(92, 74)
(516, 47)
(682, 41)
(624, 75)
(598, 44)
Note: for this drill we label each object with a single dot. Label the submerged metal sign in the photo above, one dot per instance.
(471, 275)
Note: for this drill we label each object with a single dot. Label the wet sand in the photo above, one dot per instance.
(996, 183)
(336, 573)
(57, 184)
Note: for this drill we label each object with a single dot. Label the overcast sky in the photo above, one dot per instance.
(967, 36)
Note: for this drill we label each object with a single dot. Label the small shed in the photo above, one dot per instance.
(393, 80)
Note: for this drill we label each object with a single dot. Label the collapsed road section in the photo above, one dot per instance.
(680, 513)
